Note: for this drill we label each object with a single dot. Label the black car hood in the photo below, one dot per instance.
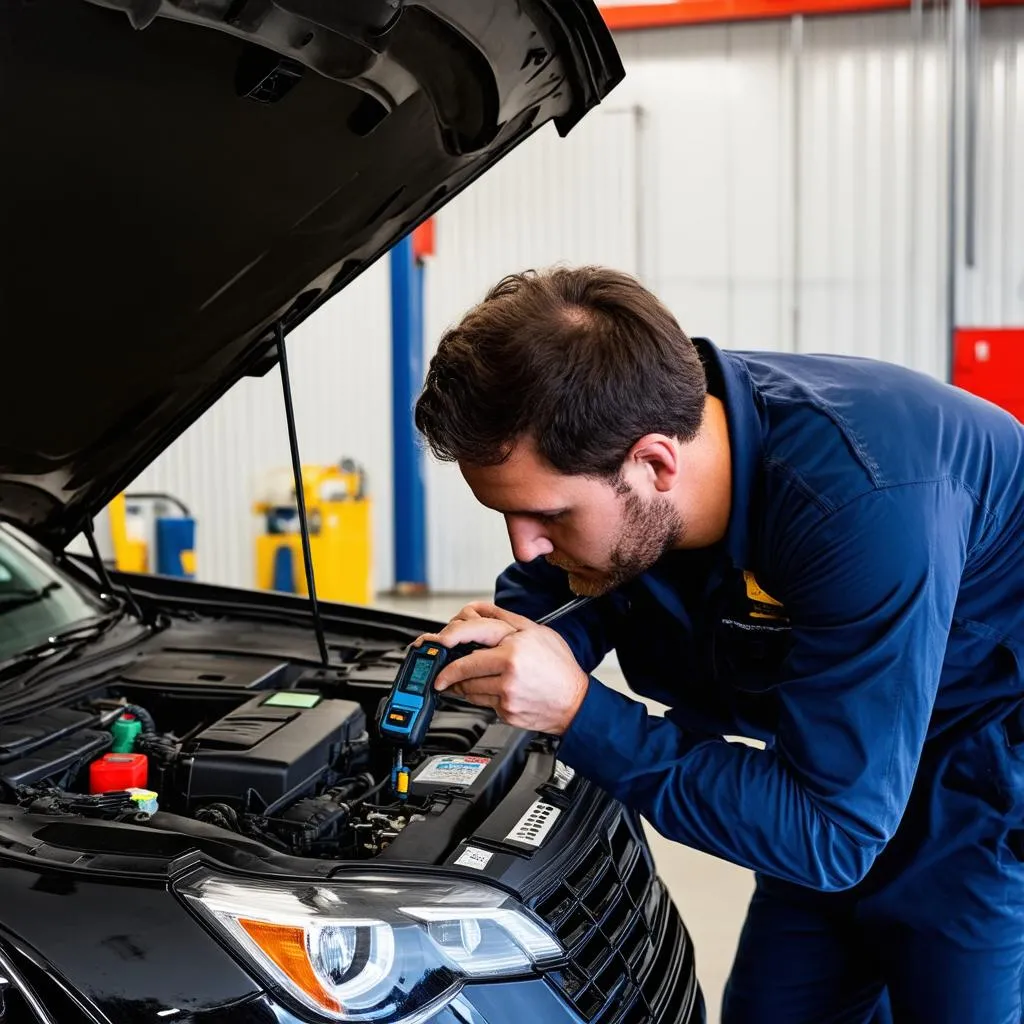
(182, 175)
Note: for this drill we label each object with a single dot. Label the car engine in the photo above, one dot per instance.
(282, 755)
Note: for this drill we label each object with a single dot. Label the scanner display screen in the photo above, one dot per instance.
(418, 677)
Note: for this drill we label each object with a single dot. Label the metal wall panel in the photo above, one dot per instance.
(570, 200)
(794, 182)
(715, 198)
(340, 361)
(991, 293)
(872, 207)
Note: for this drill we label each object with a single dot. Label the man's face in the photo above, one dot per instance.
(602, 532)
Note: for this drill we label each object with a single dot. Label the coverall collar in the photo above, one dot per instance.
(730, 381)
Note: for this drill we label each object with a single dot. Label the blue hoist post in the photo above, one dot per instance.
(407, 379)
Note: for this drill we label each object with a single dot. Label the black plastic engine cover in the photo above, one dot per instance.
(270, 751)
(190, 672)
(20, 738)
(55, 758)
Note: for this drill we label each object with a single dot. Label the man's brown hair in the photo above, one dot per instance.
(583, 361)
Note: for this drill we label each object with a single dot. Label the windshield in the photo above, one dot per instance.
(36, 600)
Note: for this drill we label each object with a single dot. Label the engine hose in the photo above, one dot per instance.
(348, 789)
(147, 720)
(222, 815)
(164, 749)
(228, 812)
(372, 791)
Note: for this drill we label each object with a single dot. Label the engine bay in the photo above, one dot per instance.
(264, 748)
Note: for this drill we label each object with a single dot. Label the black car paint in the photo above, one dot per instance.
(124, 951)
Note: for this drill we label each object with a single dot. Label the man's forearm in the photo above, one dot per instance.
(726, 799)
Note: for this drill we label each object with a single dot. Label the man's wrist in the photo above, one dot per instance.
(582, 685)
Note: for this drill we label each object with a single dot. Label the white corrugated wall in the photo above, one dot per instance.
(780, 184)
(871, 204)
(795, 182)
(715, 155)
(991, 292)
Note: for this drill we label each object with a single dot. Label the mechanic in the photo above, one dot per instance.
(823, 553)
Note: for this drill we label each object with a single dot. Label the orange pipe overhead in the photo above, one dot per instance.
(694, 12)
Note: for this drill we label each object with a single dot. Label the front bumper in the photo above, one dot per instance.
(667, 993)
(506, 1003)
(32, 995)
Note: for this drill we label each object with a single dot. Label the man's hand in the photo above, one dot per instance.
(528, 673)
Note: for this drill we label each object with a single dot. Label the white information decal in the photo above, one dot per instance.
(452, 770)
(474, 857)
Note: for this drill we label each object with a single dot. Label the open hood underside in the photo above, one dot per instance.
(182, 175)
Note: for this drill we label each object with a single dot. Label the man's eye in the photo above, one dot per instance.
(553, 517)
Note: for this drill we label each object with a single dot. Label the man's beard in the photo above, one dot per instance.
(649, 529)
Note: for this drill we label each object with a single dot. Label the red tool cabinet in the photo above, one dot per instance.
(990, 363)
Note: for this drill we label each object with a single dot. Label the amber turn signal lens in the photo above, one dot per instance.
(286, 946)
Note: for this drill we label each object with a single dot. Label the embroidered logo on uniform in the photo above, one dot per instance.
(762, 604)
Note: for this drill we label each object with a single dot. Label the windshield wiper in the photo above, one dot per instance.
(11, 599)
(65, 643)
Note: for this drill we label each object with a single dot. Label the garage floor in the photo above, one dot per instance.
(711, 894)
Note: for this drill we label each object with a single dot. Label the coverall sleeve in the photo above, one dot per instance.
(535, 588)
(870, 594)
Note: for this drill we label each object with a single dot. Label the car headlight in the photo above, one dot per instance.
(387, 950)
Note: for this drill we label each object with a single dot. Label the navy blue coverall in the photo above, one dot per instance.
(864, 616)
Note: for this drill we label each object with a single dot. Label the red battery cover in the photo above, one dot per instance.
(114, 772)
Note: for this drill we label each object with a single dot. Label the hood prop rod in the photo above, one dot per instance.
(90, 535)
(300, 496)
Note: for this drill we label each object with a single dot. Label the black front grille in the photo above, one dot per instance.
(629, 958)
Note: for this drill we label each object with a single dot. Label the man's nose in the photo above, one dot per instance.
(529, 540)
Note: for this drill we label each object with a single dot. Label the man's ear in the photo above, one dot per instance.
(655, 459)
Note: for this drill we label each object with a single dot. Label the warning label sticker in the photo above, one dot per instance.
(452, 770)
(473, 857)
